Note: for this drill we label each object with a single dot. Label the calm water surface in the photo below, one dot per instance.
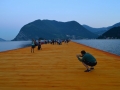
(10, 45)
(108, 45)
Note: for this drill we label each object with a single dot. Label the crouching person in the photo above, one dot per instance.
(87, 60)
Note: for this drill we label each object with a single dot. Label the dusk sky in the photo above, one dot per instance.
(14, 14)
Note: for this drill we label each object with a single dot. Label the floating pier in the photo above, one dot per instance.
(56, 67)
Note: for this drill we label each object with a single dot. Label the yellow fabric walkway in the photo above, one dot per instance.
(56, 67)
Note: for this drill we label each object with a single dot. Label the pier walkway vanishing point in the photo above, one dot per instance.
(56, 67)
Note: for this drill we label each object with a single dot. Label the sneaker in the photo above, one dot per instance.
(91, 68)
(87, 70)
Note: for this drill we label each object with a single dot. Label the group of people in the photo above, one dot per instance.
(34, 44)
(87, 59)
(53, 41)
(38, 43)
(56, 41)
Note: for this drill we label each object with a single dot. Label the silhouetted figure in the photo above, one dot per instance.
(53, 42)
(39, 45)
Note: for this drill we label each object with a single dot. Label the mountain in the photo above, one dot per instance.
(113, 33)
(2, 39)
(51, 29)
(115, 25)
(100, 31)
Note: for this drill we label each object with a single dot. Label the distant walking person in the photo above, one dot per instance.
(39, 45)
(32, 46)
(87, 60)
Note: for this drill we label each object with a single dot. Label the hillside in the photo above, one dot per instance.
(51, 29)
(2, 39)
(113, 33)
(100, 31)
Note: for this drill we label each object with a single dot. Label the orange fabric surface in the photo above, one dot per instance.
(56, 67)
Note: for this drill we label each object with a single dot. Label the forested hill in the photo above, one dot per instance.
(51, 29)
(100, 31)
(113, 33)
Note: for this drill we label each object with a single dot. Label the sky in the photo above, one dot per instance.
(14, 14)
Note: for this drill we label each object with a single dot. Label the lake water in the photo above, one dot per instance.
(108, 45)
(10, 45)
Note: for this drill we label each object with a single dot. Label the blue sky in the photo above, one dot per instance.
(14, 14)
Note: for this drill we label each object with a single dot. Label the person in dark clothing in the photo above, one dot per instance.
(52, 41)
(87, 60)
(39, 45)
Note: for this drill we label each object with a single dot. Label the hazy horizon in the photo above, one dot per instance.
(94, 13)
